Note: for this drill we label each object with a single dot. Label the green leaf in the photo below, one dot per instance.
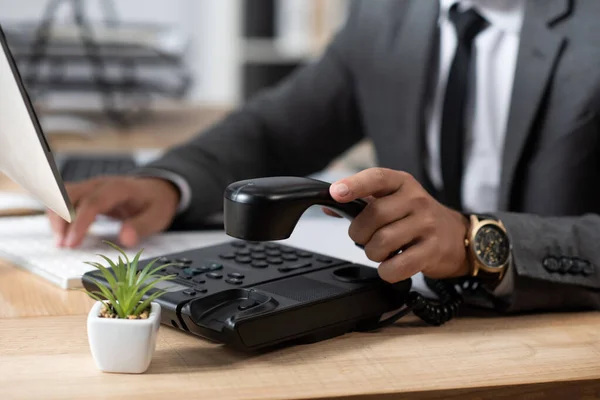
(151, 275)
(93, 295)
(142, 306)
(115, 267)
(146, 288)
(118, 249)
(109, 276)
(144, 272)
(109, 296)
(133, 268)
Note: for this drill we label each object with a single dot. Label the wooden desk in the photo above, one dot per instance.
(44, 352)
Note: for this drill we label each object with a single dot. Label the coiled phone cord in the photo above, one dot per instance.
(433, 312)
(436, 312)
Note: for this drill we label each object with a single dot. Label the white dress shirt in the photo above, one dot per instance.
(495, 52)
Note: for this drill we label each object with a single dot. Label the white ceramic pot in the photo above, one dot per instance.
(123, 345)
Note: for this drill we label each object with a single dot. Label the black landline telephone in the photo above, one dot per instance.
(268, 209)
(253, 293)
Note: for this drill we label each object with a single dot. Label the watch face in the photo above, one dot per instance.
(491, 246)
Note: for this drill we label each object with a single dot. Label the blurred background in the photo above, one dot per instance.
(73, 52)
(157, 70)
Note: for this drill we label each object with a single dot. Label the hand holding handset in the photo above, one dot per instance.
(267, 209)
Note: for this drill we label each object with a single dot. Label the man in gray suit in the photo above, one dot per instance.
(481, 106)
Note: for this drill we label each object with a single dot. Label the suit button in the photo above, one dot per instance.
(588, 269)
(565, 265)
(577, 267)
(551, 264)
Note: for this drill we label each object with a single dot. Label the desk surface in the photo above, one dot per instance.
(44, 351)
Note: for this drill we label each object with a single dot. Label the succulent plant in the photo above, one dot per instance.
(123, 295)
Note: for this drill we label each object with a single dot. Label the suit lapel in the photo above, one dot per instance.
(413, 44)
(539, 52)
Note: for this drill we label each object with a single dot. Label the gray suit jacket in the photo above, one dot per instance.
(372, 82)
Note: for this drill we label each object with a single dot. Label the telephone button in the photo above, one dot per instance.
(289, 257)
(294, 267)
(259, 264)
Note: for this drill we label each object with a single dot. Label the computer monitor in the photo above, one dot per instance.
(25, 156)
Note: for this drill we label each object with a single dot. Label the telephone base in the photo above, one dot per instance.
(257, 296)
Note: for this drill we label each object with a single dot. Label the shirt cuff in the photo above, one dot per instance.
(185, 192)
(505, 287)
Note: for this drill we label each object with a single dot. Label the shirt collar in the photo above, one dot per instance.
(506, 15)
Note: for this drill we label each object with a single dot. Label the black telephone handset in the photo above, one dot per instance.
(266, 209)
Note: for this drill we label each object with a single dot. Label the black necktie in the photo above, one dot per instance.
(467, 24)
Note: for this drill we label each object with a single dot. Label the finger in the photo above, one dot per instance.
(377, 214)
(330, 212)
(77, 191)
(150, 221)
(101, 201)
(58, 226)
(406, 264)
(375, 182)
(398, 235)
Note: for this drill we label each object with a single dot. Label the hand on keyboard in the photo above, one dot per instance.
(145, 205)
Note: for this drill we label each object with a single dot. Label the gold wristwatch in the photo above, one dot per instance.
(488, 248)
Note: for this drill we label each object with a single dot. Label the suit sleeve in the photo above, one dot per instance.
(296, 128)
(556, 262)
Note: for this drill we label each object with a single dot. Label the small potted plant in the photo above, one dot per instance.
(122, 325)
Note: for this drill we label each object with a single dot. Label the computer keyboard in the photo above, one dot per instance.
(28, 243)
(82, 167)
